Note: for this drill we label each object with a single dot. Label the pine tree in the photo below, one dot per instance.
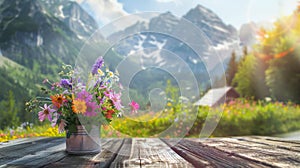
(232, 69)
(8, 112)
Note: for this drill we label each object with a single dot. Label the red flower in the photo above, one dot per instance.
(58, 100)
(109, 114)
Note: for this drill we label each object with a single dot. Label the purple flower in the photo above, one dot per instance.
(46, 112)
(99, 63)
(91, 107)
(65, 83)
(98, 83)
(84, 95)
(101, 100)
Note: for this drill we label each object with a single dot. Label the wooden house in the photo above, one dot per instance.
(216, 97)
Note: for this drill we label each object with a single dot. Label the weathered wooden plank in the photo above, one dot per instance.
(79, 160)
(14, 152)
(189, 156)
(215, 152)
(19, 141)
(40, 158)
(108, 154)
(202, 155)
(122, 155)
(277, 142)
(150, 153)
(265, 152)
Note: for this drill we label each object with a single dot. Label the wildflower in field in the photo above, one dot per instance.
(134, 106)
(99, 63)
(46, 112)
(11, 132)
(58, 100)
(45, 81)
(79, 106)
(268, 99)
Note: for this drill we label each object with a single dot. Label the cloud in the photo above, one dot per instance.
(104, 11)
(177, 2)
(167, 1)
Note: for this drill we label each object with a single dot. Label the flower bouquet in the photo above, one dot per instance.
(80, 107)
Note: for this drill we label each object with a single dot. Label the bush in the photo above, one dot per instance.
(243, 117)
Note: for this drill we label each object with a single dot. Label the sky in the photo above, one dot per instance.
(234, 12)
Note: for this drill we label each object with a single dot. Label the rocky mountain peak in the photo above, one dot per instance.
(211, 25)
(163, 23)
(44, 31)
(201, 13)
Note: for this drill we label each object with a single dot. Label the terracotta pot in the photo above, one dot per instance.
(81, 142)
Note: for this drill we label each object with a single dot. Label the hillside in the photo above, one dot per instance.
(36, 37)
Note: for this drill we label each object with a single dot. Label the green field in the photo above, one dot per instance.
(239, 117)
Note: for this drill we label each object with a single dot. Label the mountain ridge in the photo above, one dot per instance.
(36, 38)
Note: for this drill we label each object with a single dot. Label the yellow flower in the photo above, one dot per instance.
(110, 74)
(79, 106)
(100, 72)
(169, 104)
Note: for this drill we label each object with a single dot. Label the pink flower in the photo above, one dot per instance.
(134, 106)
(11, 132)
(61, 126)
(91, 107)
(108, 94)
(46, 112)
(116, 99)
(45, 81)
(84, 95)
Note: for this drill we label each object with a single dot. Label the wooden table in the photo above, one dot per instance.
(216, 152)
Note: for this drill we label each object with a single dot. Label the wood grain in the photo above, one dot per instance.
(197, 152)
(93, 160)
(142, 152)
(154, 153)
(271, 153)
(30, 151)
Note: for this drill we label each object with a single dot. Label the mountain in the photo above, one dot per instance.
(36, 38)
(164, 37)
(71, 13)
(215, 29)
(43, 31)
